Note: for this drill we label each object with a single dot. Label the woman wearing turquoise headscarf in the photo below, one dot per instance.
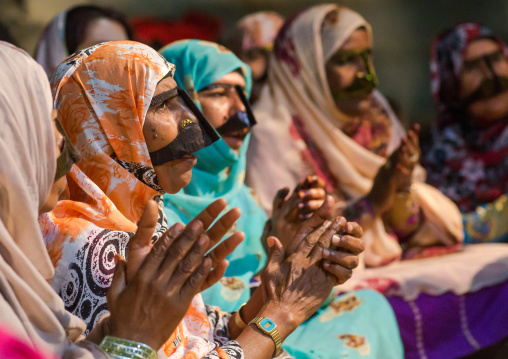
(214, 71)
(219, 172)
(354, 325)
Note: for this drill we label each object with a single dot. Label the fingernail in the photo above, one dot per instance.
(336, 240)
(202, 240)
(326, 264)
(327, 224)
(300, 205)
(301, 194)
(195, 225)
(326, 252)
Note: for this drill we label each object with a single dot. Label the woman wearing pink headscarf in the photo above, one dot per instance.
(253, 42)
(320, 114)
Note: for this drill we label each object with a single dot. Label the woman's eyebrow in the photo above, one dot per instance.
(218, 85)
(163, 97)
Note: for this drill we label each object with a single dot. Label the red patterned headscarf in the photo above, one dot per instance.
(447, 58)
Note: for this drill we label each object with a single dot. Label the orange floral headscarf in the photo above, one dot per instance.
(103, 112)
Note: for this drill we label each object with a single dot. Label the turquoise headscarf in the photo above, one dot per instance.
(219, 173)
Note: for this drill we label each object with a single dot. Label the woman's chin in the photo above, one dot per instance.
(177, 183)
(491, 109)
(233, 142)
(174, 180)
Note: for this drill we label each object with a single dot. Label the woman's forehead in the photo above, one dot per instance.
(359, 39)
(165, 85)
(480, 48)
(233, 78)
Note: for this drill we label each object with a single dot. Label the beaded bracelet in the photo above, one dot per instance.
(118, 348)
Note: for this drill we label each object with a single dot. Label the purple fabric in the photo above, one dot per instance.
(451, 326)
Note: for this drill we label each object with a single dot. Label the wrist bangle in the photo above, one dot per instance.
(118, 348)
(239, 322)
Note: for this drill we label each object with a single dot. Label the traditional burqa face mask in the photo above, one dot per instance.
(364, 82)
(490, 86)
(68, 156)
(192, 136)
(240, 120)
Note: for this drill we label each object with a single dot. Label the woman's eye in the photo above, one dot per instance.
(345, 60)
(496, 57)
(217, 94)
(161, 107)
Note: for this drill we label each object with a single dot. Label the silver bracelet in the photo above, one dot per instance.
(118, 348)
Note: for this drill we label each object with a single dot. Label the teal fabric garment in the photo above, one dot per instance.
(360, 324)
(219, 173)
(356, 325)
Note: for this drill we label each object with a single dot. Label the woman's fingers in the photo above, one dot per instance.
(158, 254)
(146, 227)
(354, 229)
(344, 259)
(339, 272)
(325, 238)
(189, 263)
(316, 220)
(225, 248)
(118, 283)
(349, 243)
(311, 194)
(279, 199)
(138, 255)
(309, 206)
(210, 213)
(223, 225)
(181, 246)
(312, 182)
(214, 275)
(196, 280)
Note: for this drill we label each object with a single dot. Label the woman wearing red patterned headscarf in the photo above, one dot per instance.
(468, 156)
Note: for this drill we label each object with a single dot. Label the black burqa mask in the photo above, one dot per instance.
(365, 81)
(192, 136)
(490, 86)
(240, 120)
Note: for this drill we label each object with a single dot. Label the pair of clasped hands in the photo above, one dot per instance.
(152, 290)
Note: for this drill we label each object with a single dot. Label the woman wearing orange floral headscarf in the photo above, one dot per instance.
(105, 115)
